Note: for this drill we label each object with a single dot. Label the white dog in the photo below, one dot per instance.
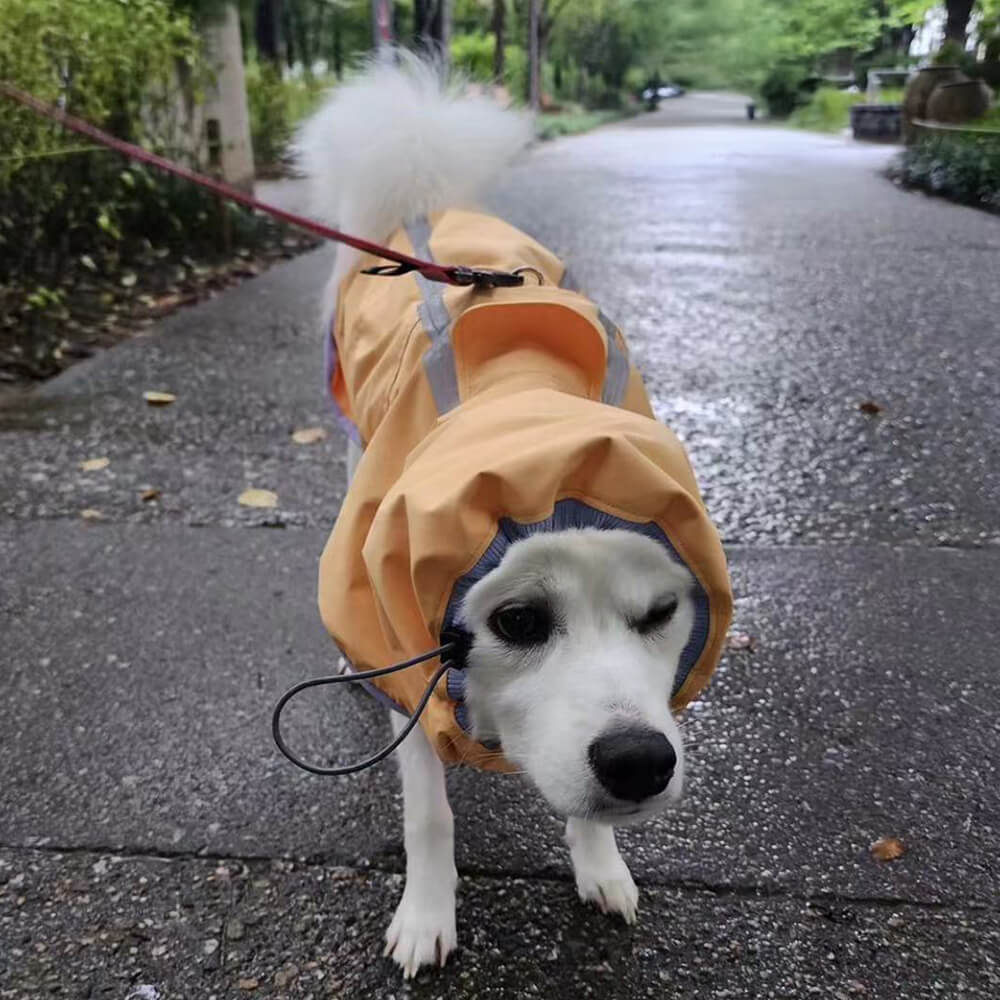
(577, 634)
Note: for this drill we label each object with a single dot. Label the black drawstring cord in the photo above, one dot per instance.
(363, 676)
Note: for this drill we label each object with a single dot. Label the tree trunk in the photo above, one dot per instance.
(338, 45)
(957, 25)
(534, 55)
(431, 23)
(499, 17)
(288, 34)
(267, 31)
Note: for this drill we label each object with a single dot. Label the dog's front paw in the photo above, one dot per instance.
(422, 931)
(602, 877)
(612, 891)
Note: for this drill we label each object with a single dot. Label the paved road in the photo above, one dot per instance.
(771, 282)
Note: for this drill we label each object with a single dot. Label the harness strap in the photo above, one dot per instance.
(439, 359)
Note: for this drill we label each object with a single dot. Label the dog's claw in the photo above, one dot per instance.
(617, 894)
(421, 933)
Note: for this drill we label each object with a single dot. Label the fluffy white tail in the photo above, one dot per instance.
(397, 142)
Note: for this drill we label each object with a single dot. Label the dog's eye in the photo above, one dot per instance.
(522, 624)
(656, 618)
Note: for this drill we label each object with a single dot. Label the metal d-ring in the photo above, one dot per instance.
(533, 270)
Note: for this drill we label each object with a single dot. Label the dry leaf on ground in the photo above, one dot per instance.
(888, 849)
(248, 984)
(870, 407)
(150, 494)
(258, 498)
(93, 464)
(89, 514)
(155, 398)
(309, 435)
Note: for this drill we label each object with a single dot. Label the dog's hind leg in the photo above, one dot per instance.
(423, 930)
(602, 877)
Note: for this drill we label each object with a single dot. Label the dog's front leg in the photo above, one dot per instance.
(602, 877)
(423, 929)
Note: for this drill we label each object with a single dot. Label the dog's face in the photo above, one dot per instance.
(576, 640)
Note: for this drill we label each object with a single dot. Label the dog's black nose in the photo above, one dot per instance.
(633, 764)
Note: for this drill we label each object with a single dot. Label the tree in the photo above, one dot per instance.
(267, 31)
(957, 25)
(499, 17)
(432, 24)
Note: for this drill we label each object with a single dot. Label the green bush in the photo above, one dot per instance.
(828, 110)
(473, 56)
(123, 64)
(277, 105)
(891, 95)
(965, 168)
(784, 89)
(577, 120)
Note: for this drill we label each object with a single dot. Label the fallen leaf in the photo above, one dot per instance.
(258, 498)
(89, 514)
(93, 464)
(128, 279)
(159, 398)
(870, 407)
(248, 984)
(286, 975)
(150, 494)
(309, 435)
(887, 849)
(738, 641)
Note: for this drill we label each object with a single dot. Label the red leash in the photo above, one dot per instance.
(450, 275)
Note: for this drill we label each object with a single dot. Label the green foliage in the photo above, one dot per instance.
(77, 222)
(576, 121)
(952, 53)
(277, 105)
(828, 110)
(965, 168)
(114, 62)
(473, 55)
(784, 89)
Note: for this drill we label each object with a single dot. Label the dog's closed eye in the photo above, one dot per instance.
(657, 618)
(522, 624)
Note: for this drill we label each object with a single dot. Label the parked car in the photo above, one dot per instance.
(651, 95)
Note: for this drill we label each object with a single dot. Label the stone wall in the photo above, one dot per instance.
(878, 122)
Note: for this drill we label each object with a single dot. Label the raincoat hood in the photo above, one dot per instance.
(487, 416)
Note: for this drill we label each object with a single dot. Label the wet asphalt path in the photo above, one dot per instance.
(770, 282)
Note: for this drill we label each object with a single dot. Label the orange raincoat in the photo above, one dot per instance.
(487, 415)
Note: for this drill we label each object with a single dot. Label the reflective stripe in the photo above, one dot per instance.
(432, 311)
(617, 371)
(439, 359)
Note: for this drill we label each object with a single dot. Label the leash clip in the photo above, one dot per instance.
(485, 277)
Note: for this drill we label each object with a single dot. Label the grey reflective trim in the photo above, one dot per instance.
(439, 366)
(569, 282)
(439, 359)
(617, 371)
(433, 313)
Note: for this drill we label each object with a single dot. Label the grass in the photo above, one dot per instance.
(575, 121)
(828, 110)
